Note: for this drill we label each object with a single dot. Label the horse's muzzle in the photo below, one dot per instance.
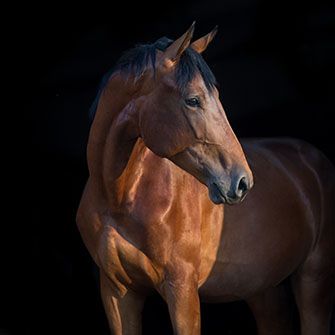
(239, 187)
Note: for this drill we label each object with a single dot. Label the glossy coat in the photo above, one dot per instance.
(148, 221)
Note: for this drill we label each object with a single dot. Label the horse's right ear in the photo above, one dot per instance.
(175, 50)
(201, 44)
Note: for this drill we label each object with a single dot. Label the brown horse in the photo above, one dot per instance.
(159, 143)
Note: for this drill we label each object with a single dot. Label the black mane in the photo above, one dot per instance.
(136, 60)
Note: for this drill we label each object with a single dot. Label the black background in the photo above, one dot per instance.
(273, 61)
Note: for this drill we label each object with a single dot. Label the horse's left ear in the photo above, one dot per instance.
(175, 50)
(201, 44)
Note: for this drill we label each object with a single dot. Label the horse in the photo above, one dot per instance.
(157, 214)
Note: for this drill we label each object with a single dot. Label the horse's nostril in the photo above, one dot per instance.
(242, 186)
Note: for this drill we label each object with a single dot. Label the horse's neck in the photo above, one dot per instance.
(112, 136)
(124, 188)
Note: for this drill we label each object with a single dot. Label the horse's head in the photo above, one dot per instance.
(182, 119)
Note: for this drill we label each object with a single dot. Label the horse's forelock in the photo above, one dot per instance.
(136, 60)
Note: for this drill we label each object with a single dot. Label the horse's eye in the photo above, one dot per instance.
(193, 102)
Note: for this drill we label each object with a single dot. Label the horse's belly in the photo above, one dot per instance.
(256, 252)
(246, 274)
(233, 281)
(244, 271)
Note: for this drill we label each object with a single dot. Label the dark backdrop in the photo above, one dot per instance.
(272, 60)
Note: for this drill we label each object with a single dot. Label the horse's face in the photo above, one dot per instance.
(189, 127)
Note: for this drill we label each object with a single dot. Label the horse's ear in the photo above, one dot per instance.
(175, 50)
(201, 44)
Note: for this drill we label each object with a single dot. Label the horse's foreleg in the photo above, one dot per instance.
(181, 294)
(272, 311)
(315, 298)
(124, 314)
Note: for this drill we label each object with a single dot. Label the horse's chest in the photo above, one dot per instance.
(136, 253)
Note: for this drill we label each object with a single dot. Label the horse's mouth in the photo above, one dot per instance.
(218, 196)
